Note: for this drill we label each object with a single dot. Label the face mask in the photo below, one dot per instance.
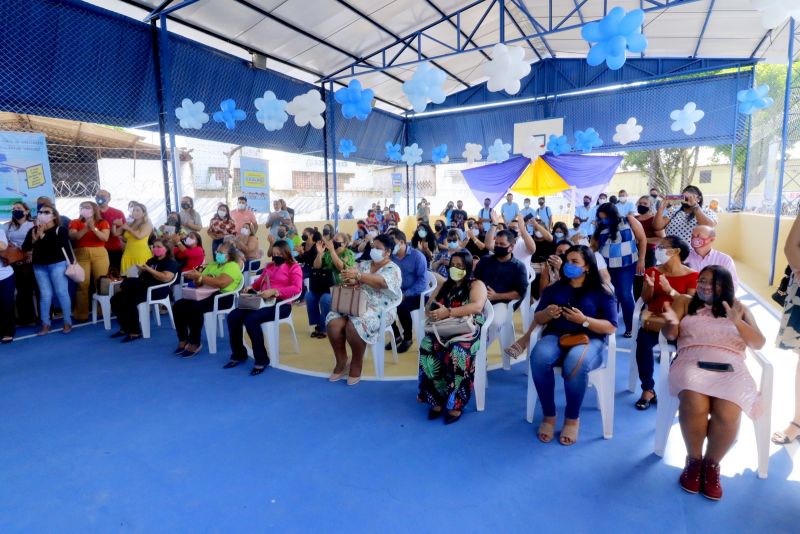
(100, 200)
(222, 214)
(602, 222)
(159, 251)
(576, 225)
(654, 195)
(246, 231)
(278, 260)
(376, 255)
(337, 244)
(422, 233)
(500, 252)
(281, 234)
(572, 271)
(186, 205)
(129, 219)
(452, 245)
(18, 214)
(172, 222)
(558, 235)
(698, 242)
(372, 233)
(661, 256)
(643, 210)
(189, 241)
(586, 203)
(396, 249)
(457, 274)
(44, 218)
(527, 204)
(541, 203)
(538, 234)
(439, 227)
(242, 206)
(602, 200)
(87, 213)
(220, 257)
(622, 199)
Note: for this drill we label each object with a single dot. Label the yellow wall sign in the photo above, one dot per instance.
(35, 176)
(255, 179)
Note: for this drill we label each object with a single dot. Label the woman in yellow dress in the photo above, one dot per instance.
(136, 232)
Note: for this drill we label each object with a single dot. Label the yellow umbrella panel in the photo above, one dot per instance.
(539, 180)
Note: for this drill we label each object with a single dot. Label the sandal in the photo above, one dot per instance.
(780, 438)
(627, 335)
(514, 351)
(643, 404)
(569, 434)
(545, 432)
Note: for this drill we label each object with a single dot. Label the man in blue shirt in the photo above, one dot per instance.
(544, 214)
(414, 270)
(527, 209)
(485, 215)
(509, 210)
(586, 214)
(349, 214)
(624, 206)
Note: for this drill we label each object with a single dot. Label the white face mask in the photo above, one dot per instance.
(623, 199)
(376, 255)
(87, 213)
(242, 206)
(130, 220)
(661, 256)
(558, 235)
(245, 231)
(222, 213)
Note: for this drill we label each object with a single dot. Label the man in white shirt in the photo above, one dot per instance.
(587, 214)
(703, 254)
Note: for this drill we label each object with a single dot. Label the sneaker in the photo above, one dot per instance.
(690, 478)
(404, 346)
(711, 488)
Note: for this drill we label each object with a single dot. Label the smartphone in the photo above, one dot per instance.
(714, 366)
(674, 197)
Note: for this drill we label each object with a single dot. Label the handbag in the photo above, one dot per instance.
(320, 281)
(253, 301)
(12, 254)
(74, 271)
(653, 322)
(452, 329)
(567, 341)
(348, 300)
(198, 293)
(780, 294)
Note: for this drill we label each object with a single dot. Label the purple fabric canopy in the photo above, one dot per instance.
(492, 181)
(581, 171)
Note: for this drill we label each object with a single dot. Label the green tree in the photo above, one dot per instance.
(667, 169)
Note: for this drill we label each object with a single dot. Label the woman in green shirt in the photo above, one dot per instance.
(332, 258)
(223, 274)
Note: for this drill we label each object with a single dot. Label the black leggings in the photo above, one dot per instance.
(189, 317)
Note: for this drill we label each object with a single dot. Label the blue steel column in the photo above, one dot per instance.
(784, 147)
(325, 154)
(164, 59)
(733, 144)
(332, 111)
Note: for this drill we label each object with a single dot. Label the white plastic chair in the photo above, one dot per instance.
(481, 359)
(272, 330)
(633, 367)
(526, 310)
(418, 315)
(506, 332)
(212, 320)
(378, 349)
(249, 270)
(667, 406)
(144, 308)
(104, 301)
(602, 379)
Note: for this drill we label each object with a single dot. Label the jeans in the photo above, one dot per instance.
(215, 243)
(252, 321)
(645, 341)
(318, 305)
(7, 307)
(622, 278)
(409, 304)
(52, 280)
(547, 354)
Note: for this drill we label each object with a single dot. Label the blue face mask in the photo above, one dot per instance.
(572, 271)
(220, 257)
(602, 222)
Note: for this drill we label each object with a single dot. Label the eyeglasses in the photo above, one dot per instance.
(43, 212)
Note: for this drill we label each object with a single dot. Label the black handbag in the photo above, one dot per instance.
(320, 281)
(780, 295)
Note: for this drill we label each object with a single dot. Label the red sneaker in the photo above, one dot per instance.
(690, 478)
(711, 488)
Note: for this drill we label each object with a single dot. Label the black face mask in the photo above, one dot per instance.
(500, 252)
(337, 244)
(576, 225)
(642, 210)
(281, 234)
(685, 206)
(654, 195)
(186, 205)
(305, 237)
(439, 227)
(586, 203)
(278, 260)
(17, 214)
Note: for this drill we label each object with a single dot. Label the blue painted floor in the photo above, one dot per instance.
(98, 436)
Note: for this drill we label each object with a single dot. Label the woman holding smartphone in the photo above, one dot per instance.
(709, 375)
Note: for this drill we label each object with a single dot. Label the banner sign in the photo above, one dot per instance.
(24, 170)
(254, 173)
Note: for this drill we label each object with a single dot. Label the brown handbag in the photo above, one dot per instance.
(348, 300)
(12, 255)
(652, 322)
(567, 341)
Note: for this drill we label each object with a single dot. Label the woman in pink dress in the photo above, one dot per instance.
(709, 375)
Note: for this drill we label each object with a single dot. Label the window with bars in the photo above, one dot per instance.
(315, 181)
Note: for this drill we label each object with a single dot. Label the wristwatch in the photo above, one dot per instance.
(585, 323)
(673, 293)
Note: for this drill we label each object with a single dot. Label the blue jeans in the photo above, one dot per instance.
(318, 305)
(51, 279)
(622, 278)
(547, 354)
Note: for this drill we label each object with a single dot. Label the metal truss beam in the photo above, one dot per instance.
(705, 26)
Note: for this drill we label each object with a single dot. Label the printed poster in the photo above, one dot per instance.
(24, 170)
(254, 173)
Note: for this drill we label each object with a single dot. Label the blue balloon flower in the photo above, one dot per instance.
(752, 100)
(393, 151)
(346, 147)
(586, 141)
(498, 151)
(557, 144)
(229, 114)
(412, 155)
(614, 34)
(355, 101)
(439, 154)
